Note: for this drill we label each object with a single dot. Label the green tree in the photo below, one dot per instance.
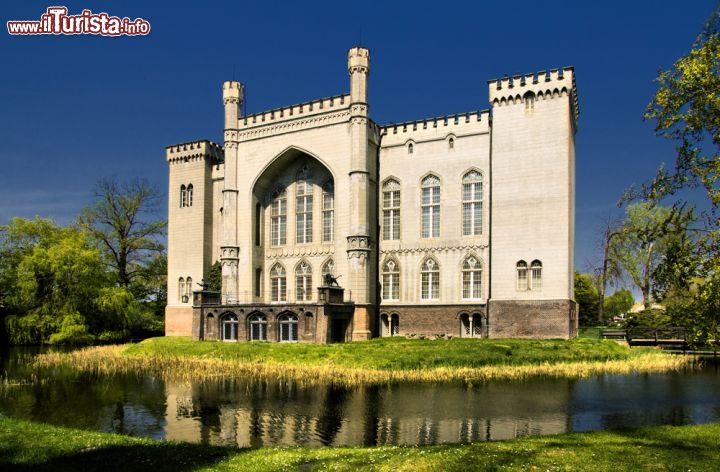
(586, 295)
(619, 303)
(214, 277)
(123, 222)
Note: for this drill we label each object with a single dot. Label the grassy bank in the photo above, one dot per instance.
(34, 446)
(376, 361)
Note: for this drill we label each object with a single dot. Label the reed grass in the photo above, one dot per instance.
(111, 360)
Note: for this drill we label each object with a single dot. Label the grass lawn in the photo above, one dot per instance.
(394, 353)
(385, 360)
(26, 446)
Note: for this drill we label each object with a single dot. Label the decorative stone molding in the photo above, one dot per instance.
(359, 247)
(290, 126)
(298, 252)
(439, 249)
(229, 253)
(359, 109)
(231, 145)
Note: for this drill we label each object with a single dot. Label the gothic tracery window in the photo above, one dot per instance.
(471, 278)
(278, 283)
(430, 279)
(391, 280)
(303, 281)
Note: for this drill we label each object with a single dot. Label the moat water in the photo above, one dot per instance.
(258, 414)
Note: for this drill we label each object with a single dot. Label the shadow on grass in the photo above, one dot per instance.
(153, 457)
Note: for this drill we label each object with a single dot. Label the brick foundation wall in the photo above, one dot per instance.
(538, 319)
(431, 320)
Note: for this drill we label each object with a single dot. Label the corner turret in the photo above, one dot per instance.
(233, 97)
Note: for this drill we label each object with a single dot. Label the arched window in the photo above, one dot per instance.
(451, 143)
(278, 284)
(328, 268)
(410, 148)
(189, 195)
(183, 196)
(303, 208)
(471, 325)
(303, 281)
(309, 319)
(229, 327)
(188, 288)
(278, 218)
(391, 210)
(181, 289)
(258, 327)
(328, 212)
(472, 203)
(394, 325)
(391, 280)
(430, 280)
(431, 207)
(288, 327)
(529, 98)
(471, 278)
(536, 275)
(522, 275)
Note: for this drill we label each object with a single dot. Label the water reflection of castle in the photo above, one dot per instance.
(267, 414)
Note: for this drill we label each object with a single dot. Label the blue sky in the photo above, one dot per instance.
(74, 109)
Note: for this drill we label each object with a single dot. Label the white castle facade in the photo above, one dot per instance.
(455, 226)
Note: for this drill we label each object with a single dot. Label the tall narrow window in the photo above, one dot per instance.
(394, 325)
(181, 289)
(430, 280)
(328, 212)
(391, 281)
(258, 327)
(189, 195)
(472, 203)
(288, 327)
(258, 282)
(258, 215)
(183, 196)
(471, 276)
(522, 275)
(303, 209)
(391, 210)
(451, 143)
(229, 327)
(411, 148)
(188, 288)
(303, 281)
(278, 284)
(536, 275)
(431, 207)
(278, 218)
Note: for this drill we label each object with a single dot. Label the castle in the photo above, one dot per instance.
(330, 227)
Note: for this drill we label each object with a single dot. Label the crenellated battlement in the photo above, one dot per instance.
(541, 85)
(436, 128)
(201, 149)
(313, 107)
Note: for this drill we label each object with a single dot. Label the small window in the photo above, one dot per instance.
(471, 325)
(451, 143)
(188, 288)
(389, 325)
(536, 275)
(410, 148)
(522, 276)
(258, 215)
(529, 99)
(183, 196)
(189, 195)
(181, 289)
(258, 282)
(394, 325)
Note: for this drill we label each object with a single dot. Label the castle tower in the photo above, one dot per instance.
(233, 96)
(190, 229)
(533, 205)
(361, 246)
